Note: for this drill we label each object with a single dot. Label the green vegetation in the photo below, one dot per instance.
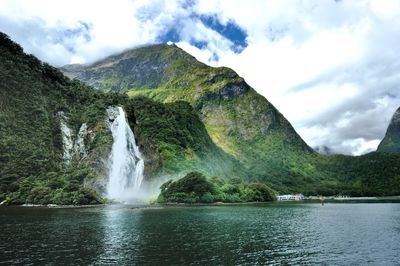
(32, 169)
(243, 124)
(151, 66)
(175, 136)
(62, 188)
(196, 188)
(186, 117)
(373, 174)
(31, 95)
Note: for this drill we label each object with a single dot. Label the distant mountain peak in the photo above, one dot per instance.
(391, 141)
(145, 67)
(161, 50)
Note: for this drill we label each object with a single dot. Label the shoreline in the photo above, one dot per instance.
(385, 199)
(132, 205)
(389, 199)
(54, 206)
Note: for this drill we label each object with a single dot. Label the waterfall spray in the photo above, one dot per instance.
(126, 171)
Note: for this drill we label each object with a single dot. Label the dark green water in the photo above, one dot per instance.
(334, 234)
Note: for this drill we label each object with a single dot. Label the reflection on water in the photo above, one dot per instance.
(245, 234)
(120, 225)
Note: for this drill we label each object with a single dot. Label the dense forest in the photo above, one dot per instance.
(32, 94)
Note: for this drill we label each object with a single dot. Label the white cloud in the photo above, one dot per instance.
(386, 9)
(330, 67)
(112, 27)
(322, 64)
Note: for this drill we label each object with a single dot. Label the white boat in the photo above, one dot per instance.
(290, 197)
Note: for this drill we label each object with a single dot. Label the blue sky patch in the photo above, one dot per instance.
(199, 44)
(172, 35)
(231, 31)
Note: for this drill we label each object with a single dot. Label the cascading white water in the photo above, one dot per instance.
(127, 165)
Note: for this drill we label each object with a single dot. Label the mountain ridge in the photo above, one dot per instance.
(127, 61)
(235, 115)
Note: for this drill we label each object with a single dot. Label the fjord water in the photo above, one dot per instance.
(126, 172)
(334, 234)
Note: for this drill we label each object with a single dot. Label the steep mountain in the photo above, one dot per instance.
(391, 141)
(239, 120)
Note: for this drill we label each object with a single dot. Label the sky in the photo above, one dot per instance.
(331, 68)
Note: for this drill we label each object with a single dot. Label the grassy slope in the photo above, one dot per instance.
(240, 121)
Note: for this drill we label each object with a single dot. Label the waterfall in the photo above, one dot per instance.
(126, 171)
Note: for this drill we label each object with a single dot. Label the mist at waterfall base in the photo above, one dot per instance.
(126, 163)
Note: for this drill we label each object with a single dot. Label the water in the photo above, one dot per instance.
(278, 233)
(126, 173)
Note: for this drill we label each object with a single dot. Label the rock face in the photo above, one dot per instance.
(66, 137)
(229, 91)
(75, 146)
(76, 149)
(391, 141)
(83, 135)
